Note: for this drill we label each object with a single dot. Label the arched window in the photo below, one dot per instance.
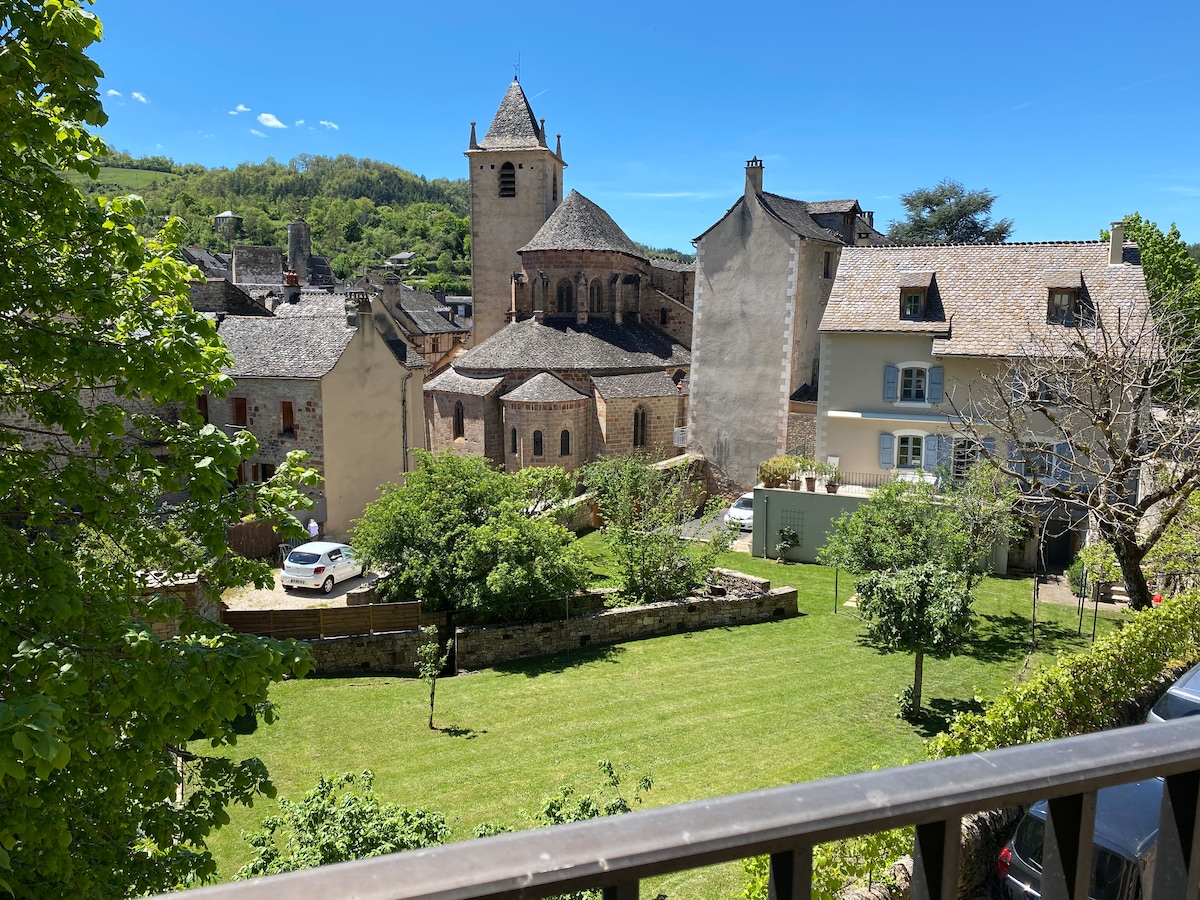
(459, 426)
(566, 296)
(537, 444)
(514, 441)
(564, 444)
(595, 296)
(508, 180)
(639, 427)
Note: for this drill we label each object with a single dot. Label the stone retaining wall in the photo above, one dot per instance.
(483, 646)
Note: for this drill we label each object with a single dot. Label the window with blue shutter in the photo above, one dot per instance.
(933, 385)
(887, 451)
(930, 461)
(1062, 463)
(891, 383)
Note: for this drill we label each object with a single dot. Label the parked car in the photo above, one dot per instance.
(319, 564)
(741, 513)
(1123, 846)
(1181, 699)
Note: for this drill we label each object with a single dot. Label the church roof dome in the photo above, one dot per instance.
(579, 224)
(514, 127)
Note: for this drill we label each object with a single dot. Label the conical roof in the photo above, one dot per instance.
(579, 224)
(514, 127)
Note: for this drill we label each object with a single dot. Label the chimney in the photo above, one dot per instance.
(358, 306)
(1116, 244)
(291, 288)
(299, 249)
(754, 173)
(869, 215)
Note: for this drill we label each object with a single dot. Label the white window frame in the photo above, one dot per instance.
(909, 433)
(924, 366)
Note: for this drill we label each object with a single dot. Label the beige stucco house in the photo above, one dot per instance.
(763, 276)
(345, 388)
(911, 337)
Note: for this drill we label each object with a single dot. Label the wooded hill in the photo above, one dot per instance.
(360, 211)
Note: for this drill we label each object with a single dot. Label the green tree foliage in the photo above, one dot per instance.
(461, 536)
(918, 610)
(949, 214)
(645, 509)
(839, 866)
(430, 662)
(1111, 684)
(101, 359)
(340, 819)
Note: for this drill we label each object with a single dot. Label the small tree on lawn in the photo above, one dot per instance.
(645, 509)
(430, 662)
(460, 536)
(919, 610)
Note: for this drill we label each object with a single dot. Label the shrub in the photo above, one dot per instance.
(1075, 577)
(1088, 691)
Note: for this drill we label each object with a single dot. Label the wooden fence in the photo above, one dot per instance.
(307, 624)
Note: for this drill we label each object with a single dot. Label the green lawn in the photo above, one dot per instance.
(707, 713)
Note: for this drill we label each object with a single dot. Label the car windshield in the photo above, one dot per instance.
(1176, 706)
(303, 559)
(744, 503)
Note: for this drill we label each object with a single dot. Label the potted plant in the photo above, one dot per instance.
(833, 477)
(809, 468)
(775, 472)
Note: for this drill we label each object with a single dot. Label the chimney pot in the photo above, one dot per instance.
(754, 176)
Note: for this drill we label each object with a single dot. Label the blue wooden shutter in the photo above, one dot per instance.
(887, 451)
(929, 453)
(945, 443)
(1062, 463)
(891, 383)
(933, 385)
(1015, 461)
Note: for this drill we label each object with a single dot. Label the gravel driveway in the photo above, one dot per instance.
(276, 597)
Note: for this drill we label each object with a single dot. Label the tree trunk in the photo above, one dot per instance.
(1133, 576)
(918, 676)
(432, 688)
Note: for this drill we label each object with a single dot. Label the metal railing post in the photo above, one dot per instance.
(790, 875)
(936, 860)
(1176, 873)
(1067, 849)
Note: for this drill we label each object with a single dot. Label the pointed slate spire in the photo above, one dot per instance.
(514, 127)
(579, 224)
(474, 145)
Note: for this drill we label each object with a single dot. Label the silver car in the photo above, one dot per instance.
(741, 513)
(1181, 699)
(319, 564)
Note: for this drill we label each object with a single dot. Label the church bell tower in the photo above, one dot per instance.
(516, 183)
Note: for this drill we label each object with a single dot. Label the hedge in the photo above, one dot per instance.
(1107, 686)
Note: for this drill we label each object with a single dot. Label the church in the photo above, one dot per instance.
(580, 344)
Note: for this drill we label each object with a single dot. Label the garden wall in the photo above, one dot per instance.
(482, 646)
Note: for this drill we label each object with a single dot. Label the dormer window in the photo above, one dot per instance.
(912, 304)
(1064, 308)
(914, 291)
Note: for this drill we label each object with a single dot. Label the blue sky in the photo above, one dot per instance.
(1073, 114)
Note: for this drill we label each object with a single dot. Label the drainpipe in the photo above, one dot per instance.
(404, 418)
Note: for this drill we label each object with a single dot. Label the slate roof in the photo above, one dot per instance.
(579, 224)
(514, 127)
(988, 299)
(292, 347)
(406, 355)
(425, 312)
(817, 207)
(797, 216)
(673, 265)
(563, 345)
(313, 303)
(544, 388)
(640, 384)
(453, 382)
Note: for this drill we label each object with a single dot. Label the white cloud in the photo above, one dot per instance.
(241, 108)
(256, 132)
(270, 121)
(139, 97)
(111, 93)
(299, 122)
(329, 124)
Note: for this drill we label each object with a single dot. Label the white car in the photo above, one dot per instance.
(319, 564)
(741, 513)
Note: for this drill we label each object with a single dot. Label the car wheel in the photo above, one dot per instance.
(287, 588)
(327, 586)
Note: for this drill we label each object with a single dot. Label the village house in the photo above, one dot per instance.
(763, 275)
(345, 388)
(912, 335)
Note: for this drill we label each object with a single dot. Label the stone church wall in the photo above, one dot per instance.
(662, 416)
(551, 419)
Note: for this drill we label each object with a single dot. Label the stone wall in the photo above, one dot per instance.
(484, 646)
(663, 414)
(551, 419)
(219, 296)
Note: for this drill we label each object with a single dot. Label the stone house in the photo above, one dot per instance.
(427, 322)
(763, 275)
(910, 332)
(344, 388)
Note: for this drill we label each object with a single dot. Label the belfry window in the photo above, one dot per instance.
(508, 180)
(566, 296)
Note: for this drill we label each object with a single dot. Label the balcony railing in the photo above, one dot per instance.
(616, 853)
